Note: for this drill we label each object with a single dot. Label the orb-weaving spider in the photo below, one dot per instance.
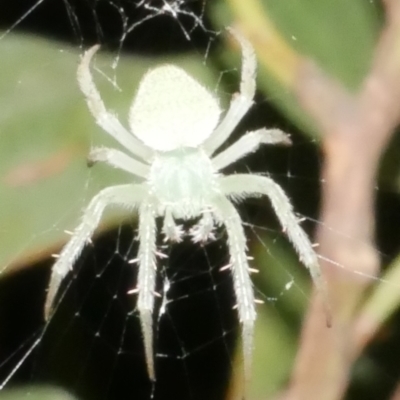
(174, 133)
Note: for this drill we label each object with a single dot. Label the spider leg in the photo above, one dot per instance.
(245, 185)
(226, 213)
(241, 102)
(249, 143)
(118, 159)
(147, 279)
(125, 195)
(105, 119)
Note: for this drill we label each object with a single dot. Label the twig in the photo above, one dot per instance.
(355, 129)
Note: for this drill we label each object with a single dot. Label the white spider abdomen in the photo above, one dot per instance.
(184, 181)
(172, 110)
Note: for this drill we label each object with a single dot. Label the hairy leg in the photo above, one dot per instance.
(126, 195)
(106, 120)
(249, 143)
(226, 213)
(147, 279)
(241, 102)
(245, 185)
(118, 159)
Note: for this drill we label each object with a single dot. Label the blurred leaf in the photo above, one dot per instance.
(310, 29)
(46, 131)
(379, 306)
(36, 393)
(389, 173)
(275, 348)
(283, 284)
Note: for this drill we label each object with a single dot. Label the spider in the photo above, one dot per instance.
(175, 130)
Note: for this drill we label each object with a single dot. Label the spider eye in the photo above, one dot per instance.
(172, 110)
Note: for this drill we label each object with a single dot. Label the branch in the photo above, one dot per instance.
(355, 130)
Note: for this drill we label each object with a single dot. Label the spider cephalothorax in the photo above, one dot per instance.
(175, 129)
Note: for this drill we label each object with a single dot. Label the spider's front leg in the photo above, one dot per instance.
(126, 195)
(226, 213)
(105, 119)
(241, 102)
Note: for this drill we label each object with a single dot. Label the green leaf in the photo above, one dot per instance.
(310, 28)
(36, 393)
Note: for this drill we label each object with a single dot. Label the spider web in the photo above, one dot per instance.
(92, 345)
